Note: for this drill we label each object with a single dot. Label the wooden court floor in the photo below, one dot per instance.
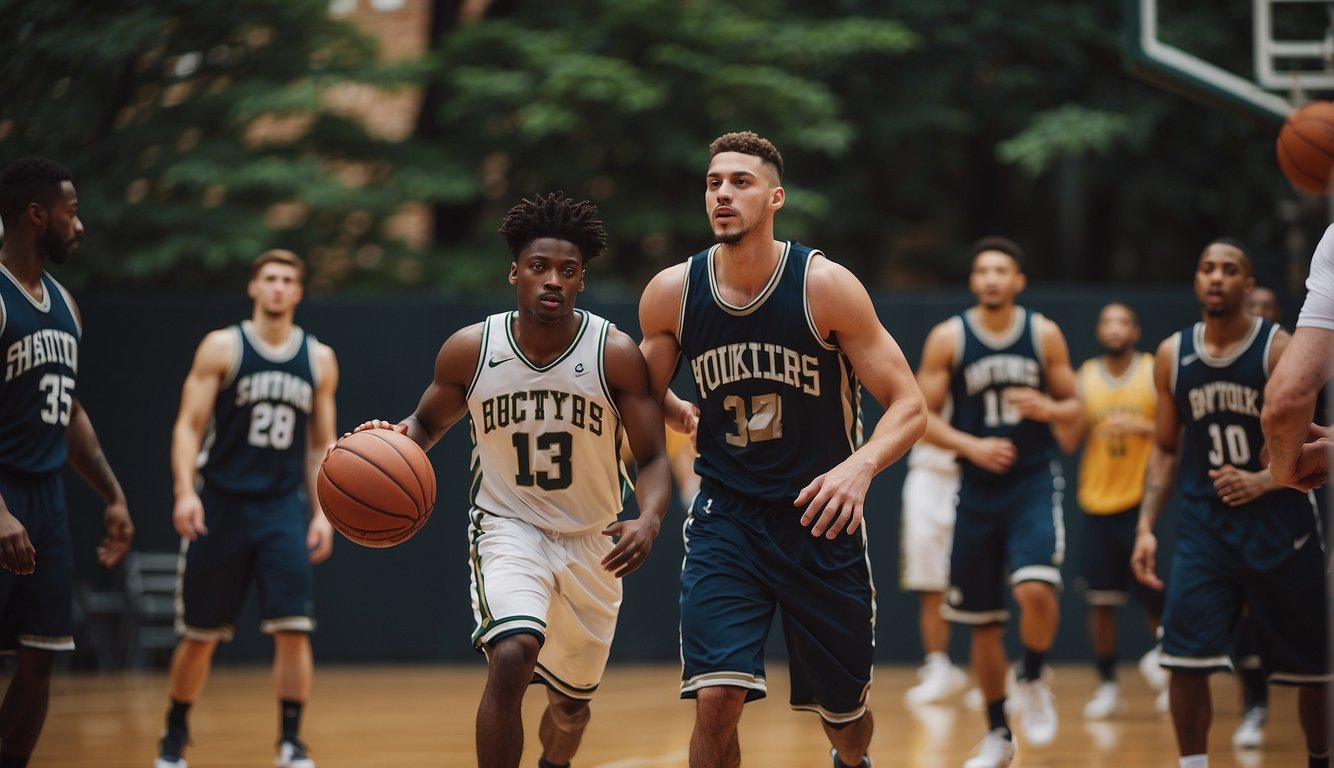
(411, 716)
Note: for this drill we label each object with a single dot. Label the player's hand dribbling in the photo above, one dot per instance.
(119, 533)
(319, 538)
(834, 501)
(17, 553)
(631, 551)
(188, 517)
(994, 454)
(1143, 560)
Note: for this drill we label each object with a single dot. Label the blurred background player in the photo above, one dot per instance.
(1006, 373)
(1116, 389)
(1241, 538)
(930, 490)
(42, 426)
(256, 417)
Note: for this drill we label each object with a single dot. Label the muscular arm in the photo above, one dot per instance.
(1162, 468)
(86, 457)
(841, 308)
(320, 436)
(659, 313)
(212, 359)
(1297, 457)
(994, 454)
(641, 416)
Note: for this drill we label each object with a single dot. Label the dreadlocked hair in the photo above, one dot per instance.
(557, 216)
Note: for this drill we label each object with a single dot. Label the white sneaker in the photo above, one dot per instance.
(939, 681)
(1037, 711)
(1250, 734)
(1154, 675)
(1106, 702)
(292, 754)
(993, 751)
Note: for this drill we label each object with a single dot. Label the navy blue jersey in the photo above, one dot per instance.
(1218, 402)
(257, 443)
(779, 405)
(984, 367)
(41, 343)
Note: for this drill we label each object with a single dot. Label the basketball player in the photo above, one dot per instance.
(256, 416)
(42, 425)
(929, 492)
(1006, 372)
(548, 389)
(1116, 389)
(1234, 547)
(779, 340)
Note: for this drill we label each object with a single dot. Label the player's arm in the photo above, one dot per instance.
(1298, 449)
(1162, 469)
(16, 551)
(212, 359)
(841, 308)
(1059, 405)
(86, 457)
(445, 401)
(641, 416)
(994, 454)
(320, 435)
(659, 314)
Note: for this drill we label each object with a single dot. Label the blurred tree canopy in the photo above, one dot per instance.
(201, 133)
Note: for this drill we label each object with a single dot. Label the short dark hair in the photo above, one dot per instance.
(997, 243)
(1233, 242)
(748, 143)
(278, 256)
(554, 215)
(29, 180)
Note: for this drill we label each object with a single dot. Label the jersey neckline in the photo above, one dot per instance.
(278, 354)
(41, 306)
(761, 297)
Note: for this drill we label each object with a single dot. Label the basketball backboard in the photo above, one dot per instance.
(1291, 61)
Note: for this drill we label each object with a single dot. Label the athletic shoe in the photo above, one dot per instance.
(1106, 702)
(865, 763)
(1250, 734)
(1037, 711)
(1163, 703)
(995, 750)
(292, 754)
(171, 750)
(939, 681)
(1154, 675)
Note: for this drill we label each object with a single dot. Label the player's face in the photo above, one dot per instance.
(1117, 330)
(1222, 280)
(276, 289)
(1263, 303)
(995, 279)
(63, 230)
(741, 194)
(549, 273)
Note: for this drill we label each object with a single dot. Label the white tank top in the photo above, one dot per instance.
(546, 439)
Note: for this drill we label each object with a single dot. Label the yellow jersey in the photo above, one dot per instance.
(1111, 472)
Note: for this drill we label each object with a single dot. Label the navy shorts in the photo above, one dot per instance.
(1268, 556)
(744, 559)
(1109, 540)
(259, 538)
(1006, 533)
(37, 609)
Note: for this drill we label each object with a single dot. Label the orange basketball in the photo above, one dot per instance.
(377, 487)
(1306, 147)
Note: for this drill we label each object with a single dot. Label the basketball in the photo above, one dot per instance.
(1306, 147)
(377, 487)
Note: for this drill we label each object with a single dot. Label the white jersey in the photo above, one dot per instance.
(546, 439)
(1318, 311)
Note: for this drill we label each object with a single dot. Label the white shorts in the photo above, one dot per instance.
(929, 496)
(552, 585)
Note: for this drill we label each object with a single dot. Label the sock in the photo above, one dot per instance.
(1317, 761)
(291, 718)
(1195, 761)
(542, 763)
(1255, 687)
(1031, 668)
(1106, 668)
(176, 716)
(21, 761)
(937, 657)
(996, 716)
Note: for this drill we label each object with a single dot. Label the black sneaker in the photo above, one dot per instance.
(171, 750)
(865, 763)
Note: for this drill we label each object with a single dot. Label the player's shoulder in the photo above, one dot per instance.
(669, 280)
